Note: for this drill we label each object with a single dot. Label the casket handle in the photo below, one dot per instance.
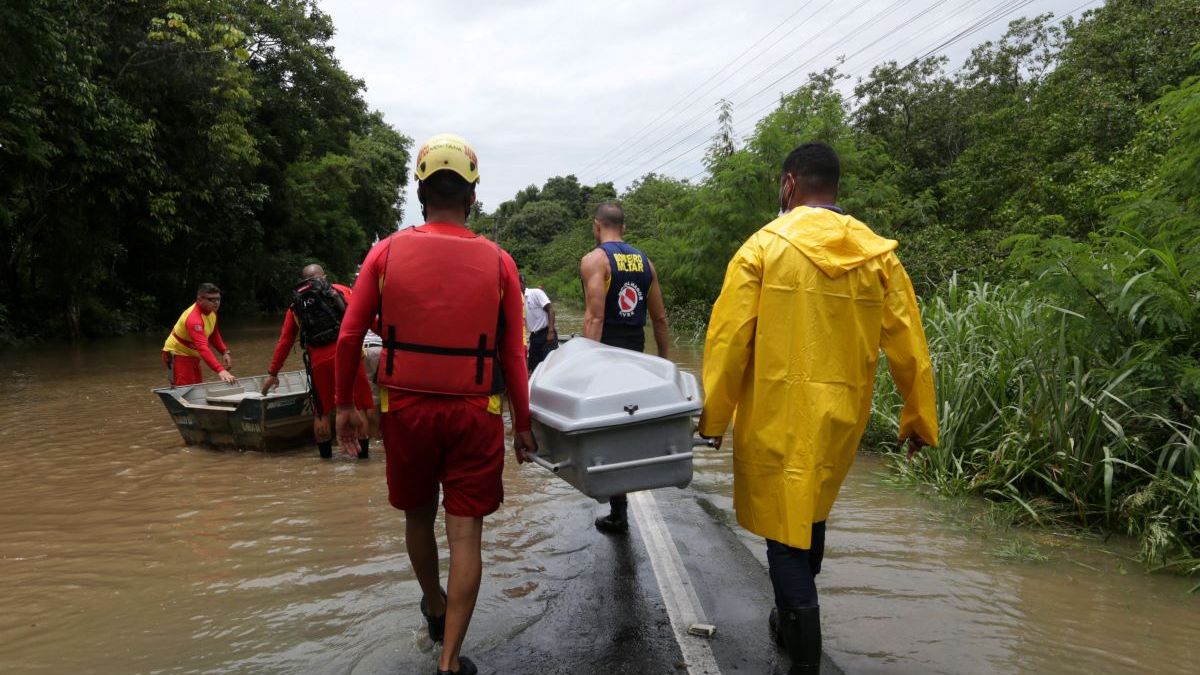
(635, 463)
(552, 467)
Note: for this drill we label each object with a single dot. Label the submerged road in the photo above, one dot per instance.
(619, 604)
(124, 551)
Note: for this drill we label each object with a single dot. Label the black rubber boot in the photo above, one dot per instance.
(801, 631)
(465, 667)
(326, 449)
(617, 521)
(773, 628)
(364, 451)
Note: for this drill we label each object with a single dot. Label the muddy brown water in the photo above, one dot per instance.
(122, 550)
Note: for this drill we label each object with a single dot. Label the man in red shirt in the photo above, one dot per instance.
(315, 316)
(193, 338)
(449, 307)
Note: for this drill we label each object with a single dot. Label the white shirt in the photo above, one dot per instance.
(535, 309)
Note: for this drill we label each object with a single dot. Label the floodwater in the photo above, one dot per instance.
(122, 550)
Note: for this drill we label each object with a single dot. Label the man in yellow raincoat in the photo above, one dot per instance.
(808, 302)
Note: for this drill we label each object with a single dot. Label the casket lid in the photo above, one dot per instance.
(585, 385)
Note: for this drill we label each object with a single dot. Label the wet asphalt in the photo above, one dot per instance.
(610, 618)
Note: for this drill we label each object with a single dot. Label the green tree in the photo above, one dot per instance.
(151, 145)
(724, 142)
(565, 191)
(532, 227)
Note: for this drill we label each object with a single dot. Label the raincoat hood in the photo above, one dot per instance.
(835, 243)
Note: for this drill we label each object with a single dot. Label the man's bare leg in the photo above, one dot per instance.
(322, 432)
(373, 422)
(423, 554)
(466, 568)
(364, 437)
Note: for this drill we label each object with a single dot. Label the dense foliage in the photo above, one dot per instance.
(1047, 200)
(147, 146)
(1046, 195)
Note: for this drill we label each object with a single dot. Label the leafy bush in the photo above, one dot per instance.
(1029, 412)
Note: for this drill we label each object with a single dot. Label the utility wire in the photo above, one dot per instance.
(989, 18)
(647, 129)
(945, 42)
(973, 27)
(954, 14)
(706, 111)
(866, 24)
(762, 73)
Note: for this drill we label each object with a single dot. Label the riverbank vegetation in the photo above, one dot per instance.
(1046, 195)
(148, 146)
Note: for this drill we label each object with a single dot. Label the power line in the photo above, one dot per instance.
(762, 73)
(866, 24)
(991, 17)
(911, 20)
(687, 96)
(961, 10)
(705, 112)
(946, 41)
(846, 59)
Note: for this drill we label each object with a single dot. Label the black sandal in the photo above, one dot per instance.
(435, 624)
(465, 667)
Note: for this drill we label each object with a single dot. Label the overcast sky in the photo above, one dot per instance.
(553, 87)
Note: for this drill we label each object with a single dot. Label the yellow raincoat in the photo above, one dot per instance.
(808, 302)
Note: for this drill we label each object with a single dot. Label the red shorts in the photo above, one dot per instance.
(323, 383)
(185, 370)
(447, 440)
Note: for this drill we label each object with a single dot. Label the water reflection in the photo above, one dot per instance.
(123, 551)
(917, 585)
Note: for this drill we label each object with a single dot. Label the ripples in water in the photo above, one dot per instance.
(123, 551)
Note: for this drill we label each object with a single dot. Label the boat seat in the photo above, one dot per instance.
(231, 398)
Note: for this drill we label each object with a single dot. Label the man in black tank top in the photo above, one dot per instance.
(620, 289)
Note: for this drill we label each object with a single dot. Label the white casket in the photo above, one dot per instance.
(610, 421)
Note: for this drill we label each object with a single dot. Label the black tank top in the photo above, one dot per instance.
(629, 287)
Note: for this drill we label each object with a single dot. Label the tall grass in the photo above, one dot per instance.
(689, 321)
(1031, 414)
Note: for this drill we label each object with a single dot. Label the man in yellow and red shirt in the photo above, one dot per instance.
(315, 317)
(193, 338)
(449, 307)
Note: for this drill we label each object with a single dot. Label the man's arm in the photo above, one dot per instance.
(903, 340)
(219, 344)
(658, 314)
(287, 338)
(552, 334)
(195, 328)
(593, 269)
(359, 315)
(729, 344)
(512, 345)
(512, 358)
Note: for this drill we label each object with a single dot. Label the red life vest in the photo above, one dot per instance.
(440, 311)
